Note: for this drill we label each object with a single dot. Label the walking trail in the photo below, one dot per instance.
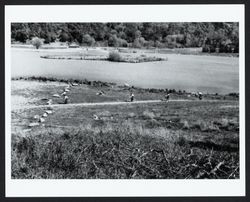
(104, 104)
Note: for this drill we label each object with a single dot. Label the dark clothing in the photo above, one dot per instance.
(200, 96)
(66, 100)
(167, 97)
(132, 98)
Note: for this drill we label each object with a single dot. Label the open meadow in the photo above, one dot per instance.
(183, 138)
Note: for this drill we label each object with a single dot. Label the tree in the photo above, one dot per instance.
(49, 37)
(130, 31)
(88, 40)
(137, 34)
(122, 43)
(136, 43)
(21, 36)
(212, 36)
(113, 41)
(142, 41)
(64, 37)
(158, 44)
(37, 42)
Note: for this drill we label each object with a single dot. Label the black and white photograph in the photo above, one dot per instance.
(125, 100)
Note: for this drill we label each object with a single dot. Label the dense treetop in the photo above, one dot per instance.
(223, 37)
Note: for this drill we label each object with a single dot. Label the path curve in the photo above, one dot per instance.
(105, 103)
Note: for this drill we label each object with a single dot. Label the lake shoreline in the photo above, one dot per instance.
(130, 59)
(127, 87)
(156, 132)
(181, 51)
(210, 74)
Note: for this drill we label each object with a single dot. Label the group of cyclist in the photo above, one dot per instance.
(132, 97)
(167, 96)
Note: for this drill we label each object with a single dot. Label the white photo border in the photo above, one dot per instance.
(123, 13)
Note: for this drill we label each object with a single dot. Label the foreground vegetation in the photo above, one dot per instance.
(117, 153)
(187, 139)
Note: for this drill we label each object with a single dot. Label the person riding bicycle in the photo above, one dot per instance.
(167, 96)
(131, 97)
(66, 99)
(200, 96)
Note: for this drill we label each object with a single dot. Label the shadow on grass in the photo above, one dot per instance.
(214, 146)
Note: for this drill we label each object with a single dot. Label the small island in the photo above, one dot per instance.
(113, 56)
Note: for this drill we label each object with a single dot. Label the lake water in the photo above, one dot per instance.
(211, 74)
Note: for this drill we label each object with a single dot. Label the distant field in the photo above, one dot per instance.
(193, 139)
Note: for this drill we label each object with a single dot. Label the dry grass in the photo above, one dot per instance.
(164, 140)
(115, 153)
(148, 115)
(137, 142)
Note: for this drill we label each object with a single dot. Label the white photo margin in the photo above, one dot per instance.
(124, 13)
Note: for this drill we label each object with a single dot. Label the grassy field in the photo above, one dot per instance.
(188, 139)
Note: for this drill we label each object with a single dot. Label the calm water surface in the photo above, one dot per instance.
(211, 74)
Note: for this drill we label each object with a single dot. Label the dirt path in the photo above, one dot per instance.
(104, 103)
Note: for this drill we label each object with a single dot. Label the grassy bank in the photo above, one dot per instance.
(174, 140)
(189, 139)
(117, 153)
(62, 80)
(142, 93)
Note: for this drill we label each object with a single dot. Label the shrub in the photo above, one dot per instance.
(115, 57)
(234, 94)
(37, 42)
(131, 115)
(152, 123)
(149, 115)
(104, 113)
(205, 126)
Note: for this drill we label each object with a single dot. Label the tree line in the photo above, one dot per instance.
(212, 37)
